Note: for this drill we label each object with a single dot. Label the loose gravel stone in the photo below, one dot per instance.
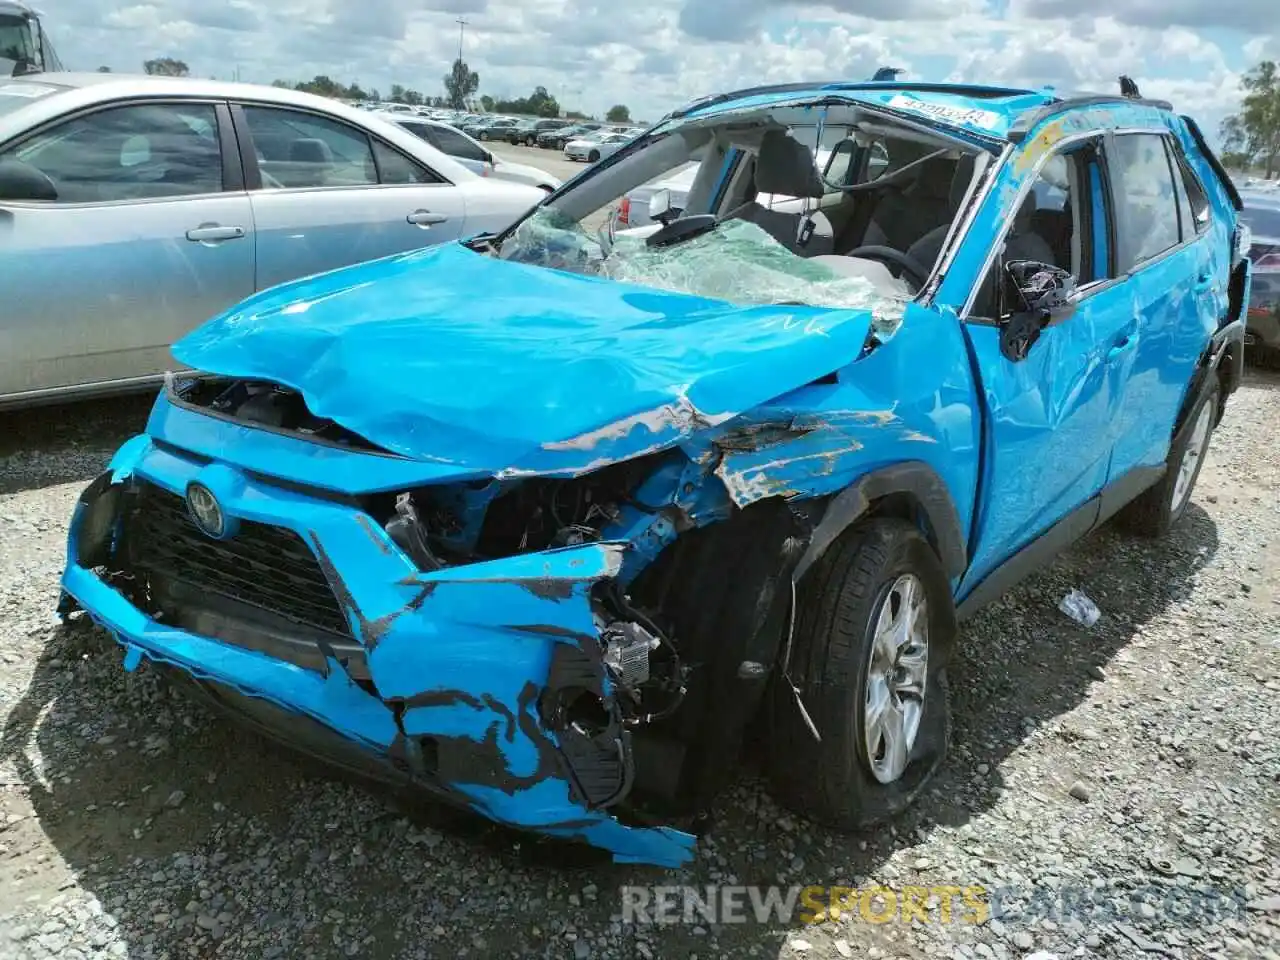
(265, 856)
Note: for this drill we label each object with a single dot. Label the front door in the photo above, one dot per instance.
(1048, 413)
(150, 234)
(331, 195)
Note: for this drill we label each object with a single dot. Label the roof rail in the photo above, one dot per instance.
(1028, 119)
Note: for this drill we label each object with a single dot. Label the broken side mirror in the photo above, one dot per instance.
(1042, 294)
(22, 181)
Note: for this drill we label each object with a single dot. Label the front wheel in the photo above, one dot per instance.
(1153, 512)
(482, 135)
(874, 630)
(594, 156)
(528, 141)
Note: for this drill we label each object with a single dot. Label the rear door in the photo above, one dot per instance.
(1173, 283)
(468, 153)
(327, 194)
(150, 234)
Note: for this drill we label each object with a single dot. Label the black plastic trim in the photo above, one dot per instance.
(1212, 159)
(232, 162)
(914, 478)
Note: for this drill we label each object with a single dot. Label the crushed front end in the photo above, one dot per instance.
(471, 635)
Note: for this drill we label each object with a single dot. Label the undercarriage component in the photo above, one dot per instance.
(626, 653)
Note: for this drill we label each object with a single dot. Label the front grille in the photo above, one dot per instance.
(266, 567)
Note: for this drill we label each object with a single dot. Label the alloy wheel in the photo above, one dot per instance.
(893, 698)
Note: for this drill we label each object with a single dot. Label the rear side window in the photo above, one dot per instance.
(1191, 193)
(297, 149)
(456, 145)
(1146, 203)
(394, 167)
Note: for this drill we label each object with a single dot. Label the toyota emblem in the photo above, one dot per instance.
(205, 511)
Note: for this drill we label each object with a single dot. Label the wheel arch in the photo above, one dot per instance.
(913, 491)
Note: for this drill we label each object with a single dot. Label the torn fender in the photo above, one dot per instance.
(548, 372)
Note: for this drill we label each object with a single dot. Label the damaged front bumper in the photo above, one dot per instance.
(470, 680)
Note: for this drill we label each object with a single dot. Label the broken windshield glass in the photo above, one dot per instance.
(737, 262)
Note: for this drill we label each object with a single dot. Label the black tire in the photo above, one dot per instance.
(1152, 513)
(838, 604)
(528, 141)
(593, 156)
(482, 135)
(1265, 357)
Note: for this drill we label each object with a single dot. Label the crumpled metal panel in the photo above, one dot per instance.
(460, 359)
(461, 654)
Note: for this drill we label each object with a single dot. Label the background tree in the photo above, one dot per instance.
(487, 102)
(618, 113)
(538, 104)
(166, 67)
(460, 84)
(104, 69)
(1253, 134)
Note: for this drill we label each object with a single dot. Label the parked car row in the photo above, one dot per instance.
(474, 156)
(170, 199)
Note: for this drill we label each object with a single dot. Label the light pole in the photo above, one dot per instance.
(462, 27)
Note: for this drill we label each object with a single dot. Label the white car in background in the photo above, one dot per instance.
(472, 154)
(133, 208)
(597, 146)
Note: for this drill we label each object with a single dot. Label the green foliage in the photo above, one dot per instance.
(460, 84)
(538, 104)
(618, 113)
(1253, 134)
(166, 67)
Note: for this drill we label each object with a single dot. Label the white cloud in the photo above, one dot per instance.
(593, 53)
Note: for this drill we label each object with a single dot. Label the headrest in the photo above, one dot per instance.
(785, 166)
(308, 150)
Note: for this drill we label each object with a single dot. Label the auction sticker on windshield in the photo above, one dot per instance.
(953, 114)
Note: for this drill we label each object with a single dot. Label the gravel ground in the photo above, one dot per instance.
(1137, 762)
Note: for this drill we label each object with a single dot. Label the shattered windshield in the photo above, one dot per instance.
(738, 262)
(774, 205)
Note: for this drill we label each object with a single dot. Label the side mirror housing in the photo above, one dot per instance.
(660, 206)
(22, 181)
(1045, 294)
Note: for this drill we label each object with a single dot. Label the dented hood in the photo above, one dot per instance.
(464, 360)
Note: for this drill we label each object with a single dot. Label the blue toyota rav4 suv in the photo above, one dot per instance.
(542, 521)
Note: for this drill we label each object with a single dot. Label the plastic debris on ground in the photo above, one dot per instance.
(1080, 608)
(737, 262)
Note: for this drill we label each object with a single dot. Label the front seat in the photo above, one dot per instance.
(1022, 242)
(311, 160)
(784, 168)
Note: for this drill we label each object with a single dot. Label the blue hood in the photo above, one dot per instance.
(464, 360)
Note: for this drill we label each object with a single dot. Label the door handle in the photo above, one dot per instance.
(213, 232)
(1204, 281)
(425, 218)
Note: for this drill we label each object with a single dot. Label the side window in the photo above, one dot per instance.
(297, 149)
(1192, 198)
(395, 168)
(456, 145)
(138, 152)
(1145, 203)
(1052, 226)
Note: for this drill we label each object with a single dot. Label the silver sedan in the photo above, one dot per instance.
(134, 208)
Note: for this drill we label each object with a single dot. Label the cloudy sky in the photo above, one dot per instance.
(655, 54)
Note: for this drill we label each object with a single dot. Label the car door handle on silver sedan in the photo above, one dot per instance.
(213, 232)
(425, 218)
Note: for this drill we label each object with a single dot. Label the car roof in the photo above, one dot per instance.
(993, 113)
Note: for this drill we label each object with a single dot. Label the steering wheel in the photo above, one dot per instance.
(891, 257)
